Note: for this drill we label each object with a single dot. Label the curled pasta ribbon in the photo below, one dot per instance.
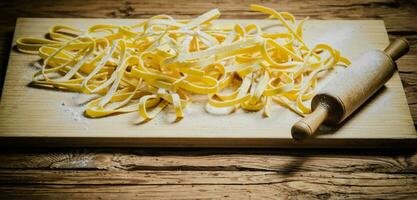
(162, 62)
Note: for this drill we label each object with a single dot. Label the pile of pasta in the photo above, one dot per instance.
(162, 62)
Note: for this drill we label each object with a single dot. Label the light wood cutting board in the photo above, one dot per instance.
(43, 117)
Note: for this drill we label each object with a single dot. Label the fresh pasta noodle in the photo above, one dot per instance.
(164, 62)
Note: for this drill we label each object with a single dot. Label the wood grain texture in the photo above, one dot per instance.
(31, 116)
(399, 17)
(185, 174)
(285, 186)
(282, 161)
(295, 190)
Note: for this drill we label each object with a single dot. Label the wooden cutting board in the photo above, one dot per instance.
(32, 116)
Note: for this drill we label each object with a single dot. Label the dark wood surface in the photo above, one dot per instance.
(81, 173)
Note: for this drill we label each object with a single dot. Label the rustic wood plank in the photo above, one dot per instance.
(49, 174)
(400, 161)
(71, 177)
(286, 190)
(346, 184)
(398, 15)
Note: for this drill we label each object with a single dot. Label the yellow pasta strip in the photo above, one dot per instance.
(163, 62)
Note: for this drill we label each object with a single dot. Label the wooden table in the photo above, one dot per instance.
(213, 173)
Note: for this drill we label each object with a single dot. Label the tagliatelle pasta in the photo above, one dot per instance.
(163, 62)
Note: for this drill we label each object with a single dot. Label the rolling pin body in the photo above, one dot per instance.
(350, 89)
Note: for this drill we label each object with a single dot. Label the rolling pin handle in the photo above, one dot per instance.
(397, 48)
(307, 126)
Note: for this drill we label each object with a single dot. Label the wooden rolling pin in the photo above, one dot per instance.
(350, 89)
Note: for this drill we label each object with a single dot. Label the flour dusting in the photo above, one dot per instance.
(74, 106)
